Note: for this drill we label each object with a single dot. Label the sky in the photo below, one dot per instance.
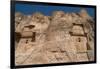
(48, 9)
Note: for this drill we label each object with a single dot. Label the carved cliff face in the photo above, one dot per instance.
(61, 37)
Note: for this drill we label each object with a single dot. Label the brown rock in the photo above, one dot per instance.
(61, 37)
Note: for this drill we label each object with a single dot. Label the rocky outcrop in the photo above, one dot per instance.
(61, 37)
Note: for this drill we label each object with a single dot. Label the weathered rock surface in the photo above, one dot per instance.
(61, 37)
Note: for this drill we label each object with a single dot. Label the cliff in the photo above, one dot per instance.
(61, 37)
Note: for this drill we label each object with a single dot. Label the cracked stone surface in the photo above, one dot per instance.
(61, 37)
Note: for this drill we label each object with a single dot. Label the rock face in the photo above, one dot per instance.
(61, 37)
